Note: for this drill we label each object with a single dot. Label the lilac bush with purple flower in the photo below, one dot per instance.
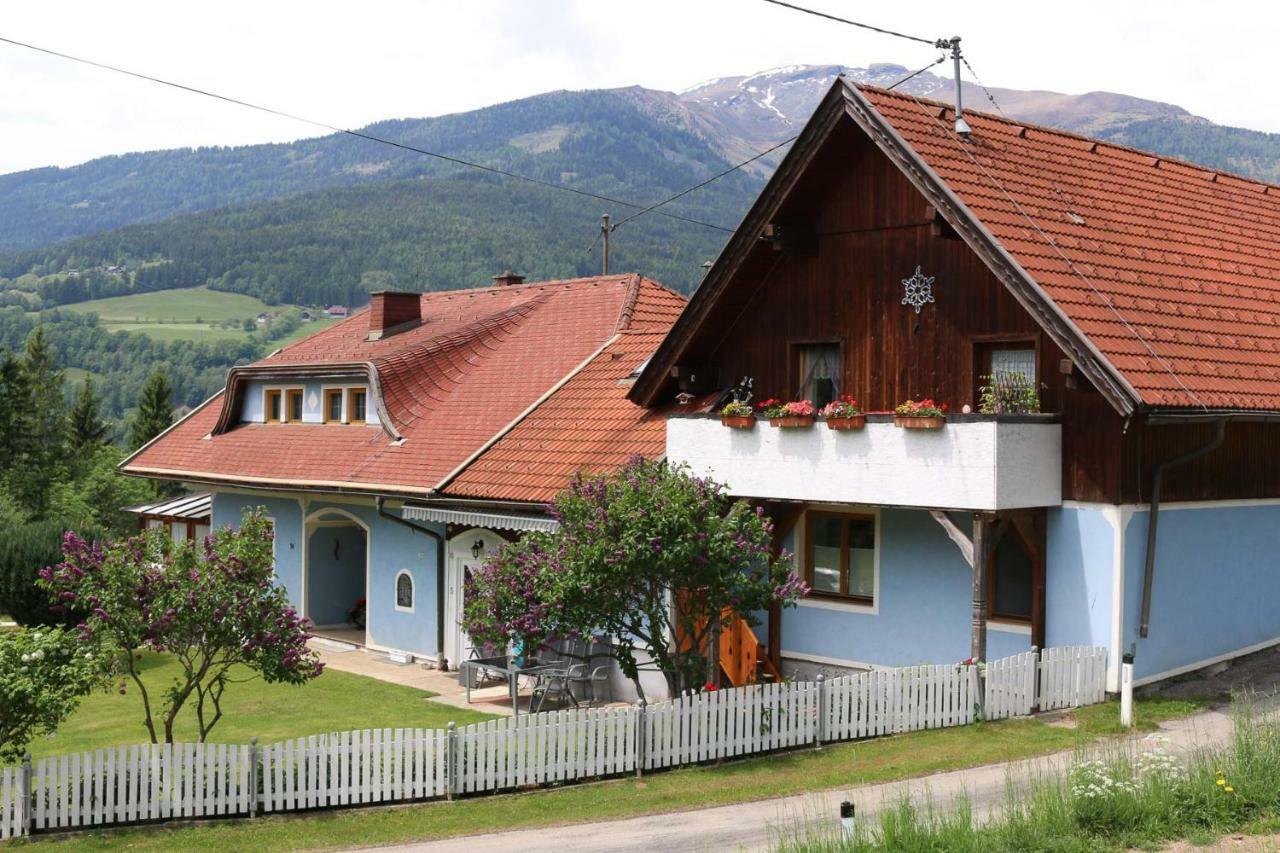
(628, 545)
(213, 605)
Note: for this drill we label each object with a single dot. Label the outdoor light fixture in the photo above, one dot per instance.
(477, 549)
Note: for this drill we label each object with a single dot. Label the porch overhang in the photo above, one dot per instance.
(478, 518)
(980, 463)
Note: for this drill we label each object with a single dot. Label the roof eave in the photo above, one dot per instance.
(276, 484)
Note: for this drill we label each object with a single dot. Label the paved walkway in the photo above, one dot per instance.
(489, 700)
(748, 826)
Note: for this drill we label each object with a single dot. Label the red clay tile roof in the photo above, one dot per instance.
(587, 425)
(1171, 270)
(479, 359)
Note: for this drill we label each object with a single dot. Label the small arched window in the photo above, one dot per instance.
(404, 591)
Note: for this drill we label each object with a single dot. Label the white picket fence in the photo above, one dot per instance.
(12, 797)
(174, 781)
(351, 768)
(907, 699)
(727, 723)
(537, 749)
(1072, 676)
(140, 783)
(1011, 686)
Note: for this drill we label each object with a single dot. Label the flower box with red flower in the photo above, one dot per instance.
(920, 414)
(843, 414)
(738, 415)
(797, 414)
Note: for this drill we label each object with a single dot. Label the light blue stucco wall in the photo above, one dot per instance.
(337, 559)
(312, 398)
(228, 509)
(1079, 581)
(392, 548)
(1216, 589)
(924, 598)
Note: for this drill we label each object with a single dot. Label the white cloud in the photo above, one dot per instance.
(350, 64)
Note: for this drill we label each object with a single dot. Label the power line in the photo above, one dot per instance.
(978, 80)
(749, 160)
(699, 186)
(914, 74)
(1102, 297)
(356, 133)
(881, 30)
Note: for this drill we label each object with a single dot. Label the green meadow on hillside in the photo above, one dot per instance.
(186, 305)
(194, 314)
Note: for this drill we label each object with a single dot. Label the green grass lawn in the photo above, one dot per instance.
(336, 701)
(184, 305)
(167, 332)
(188, 314)
(867, 762)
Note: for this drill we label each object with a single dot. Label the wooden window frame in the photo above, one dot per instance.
(350, 407)
(982, 347)
(1036, 622)
(267, 395)
(291, 394)
(795, 363)
(329, 394)
(811, 517)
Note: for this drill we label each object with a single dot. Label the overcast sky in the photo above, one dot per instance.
(353, 62)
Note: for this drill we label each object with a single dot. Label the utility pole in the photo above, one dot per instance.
(962, 127)
(605, 231)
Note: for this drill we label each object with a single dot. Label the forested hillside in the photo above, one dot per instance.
(625, 142)
(334, 246)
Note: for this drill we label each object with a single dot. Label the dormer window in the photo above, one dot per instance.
(304, 403)
(333, 406)
(293, 407)
(273, 405)
(357, 400)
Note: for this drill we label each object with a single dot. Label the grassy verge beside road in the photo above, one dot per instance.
(867, 762)
(1129, 800)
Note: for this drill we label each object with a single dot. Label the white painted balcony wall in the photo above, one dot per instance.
(974, 462)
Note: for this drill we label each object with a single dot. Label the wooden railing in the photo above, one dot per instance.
(743, 658)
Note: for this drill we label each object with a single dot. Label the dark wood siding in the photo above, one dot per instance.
(1246, 466)
(873, 229)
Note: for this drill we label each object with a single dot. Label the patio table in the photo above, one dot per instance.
(504, 668)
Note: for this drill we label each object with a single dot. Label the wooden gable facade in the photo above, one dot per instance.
(833, 242)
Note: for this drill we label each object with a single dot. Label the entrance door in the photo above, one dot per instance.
(466, 552)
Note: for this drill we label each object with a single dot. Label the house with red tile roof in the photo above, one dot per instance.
(1103, 326)
(398, 448)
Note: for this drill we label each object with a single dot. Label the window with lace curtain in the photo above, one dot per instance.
(819, 373)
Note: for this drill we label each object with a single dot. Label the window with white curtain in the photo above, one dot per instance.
(819, 373)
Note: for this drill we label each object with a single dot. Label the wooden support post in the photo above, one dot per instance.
(981, 550)
(775, 634)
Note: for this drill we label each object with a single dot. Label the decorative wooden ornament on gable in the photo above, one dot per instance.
(917, 290)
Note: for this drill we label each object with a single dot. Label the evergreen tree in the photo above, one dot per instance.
(88, 427)
(47, 443)
(155, 409)
(15, 421)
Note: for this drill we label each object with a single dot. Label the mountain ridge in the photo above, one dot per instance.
(264, 219)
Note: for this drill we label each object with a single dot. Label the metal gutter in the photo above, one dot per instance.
(1148, 577)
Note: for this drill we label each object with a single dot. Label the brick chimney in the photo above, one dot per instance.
(392, 311)
(505, 279)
